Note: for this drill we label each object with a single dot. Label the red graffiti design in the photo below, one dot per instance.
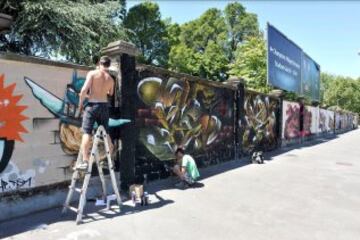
(10, 113)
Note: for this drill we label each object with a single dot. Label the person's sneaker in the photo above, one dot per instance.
(190, 184)
(82, 166)
(181, 184)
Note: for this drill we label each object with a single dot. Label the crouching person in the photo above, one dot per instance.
(185, 168)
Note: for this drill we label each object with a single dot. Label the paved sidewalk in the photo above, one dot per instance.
(309, 193)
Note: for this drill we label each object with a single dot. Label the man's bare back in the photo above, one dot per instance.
(101, 85)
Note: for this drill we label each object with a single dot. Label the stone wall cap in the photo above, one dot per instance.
(179, 75)
(5, 16)
(276, 93)
(39, 60)
(119, 47)
(5, 21)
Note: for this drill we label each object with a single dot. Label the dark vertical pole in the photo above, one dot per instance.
(123, 55)
(301, 119)
(279, 94)
(236, 124)
(240, 117)
(279, 120)
(129, 133)
(335, 122)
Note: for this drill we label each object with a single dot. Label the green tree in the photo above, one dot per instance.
(213, 62)
(240, 25)
(210, 26)
(184, 59)
(173, 31)
(250, 63)
(207, 44)
(340, 91)
(74, 30)
(200, 48)
(148, 33)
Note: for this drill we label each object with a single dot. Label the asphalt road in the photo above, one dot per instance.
(308, 193)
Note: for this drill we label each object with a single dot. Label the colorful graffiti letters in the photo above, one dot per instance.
(181, 113)
(291, 120)
(258, 126)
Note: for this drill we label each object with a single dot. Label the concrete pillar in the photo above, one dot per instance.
(118, 51)
(122, 56)
(279, 94)
(239, 112)
(5, 22)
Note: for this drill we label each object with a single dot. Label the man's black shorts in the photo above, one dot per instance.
(95, 112)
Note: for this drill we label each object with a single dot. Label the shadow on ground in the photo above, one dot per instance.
(92, 213)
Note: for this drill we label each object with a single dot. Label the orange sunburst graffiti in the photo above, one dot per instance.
(10, 113)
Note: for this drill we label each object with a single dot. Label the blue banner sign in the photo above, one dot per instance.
(284, 61)
(310, 78)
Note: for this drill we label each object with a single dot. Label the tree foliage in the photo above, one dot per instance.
(207, 44)
(340, 91)
(240, 25)
(70, 29)
(148, 33)
(250, 63)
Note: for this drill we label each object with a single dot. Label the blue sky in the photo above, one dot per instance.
(328, 31)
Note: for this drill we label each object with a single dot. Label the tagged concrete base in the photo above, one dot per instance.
(13, 206)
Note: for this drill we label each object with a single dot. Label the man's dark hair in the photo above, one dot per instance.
(180, 150)
(105, 61)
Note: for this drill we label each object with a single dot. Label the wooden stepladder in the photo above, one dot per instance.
(99, 136)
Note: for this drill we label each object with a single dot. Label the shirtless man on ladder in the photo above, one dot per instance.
(97, 86)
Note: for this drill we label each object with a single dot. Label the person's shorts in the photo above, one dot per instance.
(95, 112)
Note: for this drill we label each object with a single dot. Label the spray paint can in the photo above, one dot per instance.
(146, 198)
(133, 198)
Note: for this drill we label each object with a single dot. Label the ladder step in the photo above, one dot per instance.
(71, 208)
(79, 190)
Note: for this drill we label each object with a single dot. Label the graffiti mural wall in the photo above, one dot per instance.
(290, 120)
(311, 121)
(11, 126)
(175, 112)
(11, 118)
(326, 121)
(257, 125)
(34, 110)
(65, 110)
(40, 133)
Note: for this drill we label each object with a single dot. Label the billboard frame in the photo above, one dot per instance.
(267, 52)
(301, 93)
